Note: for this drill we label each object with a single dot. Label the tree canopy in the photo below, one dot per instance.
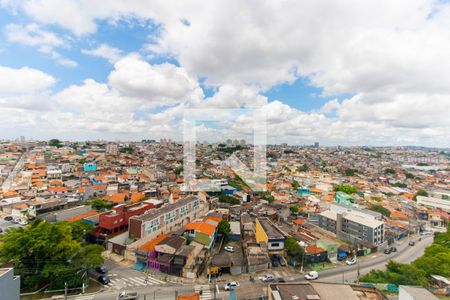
(293, 248)
(350, 172)
(228, 199)
(348, 189)
(294, 209)
(55, 143)
(435, 261)
(224, 227)
(420, 192)
(99, 204)
(389, 171)
(382, 210)
(45, 253)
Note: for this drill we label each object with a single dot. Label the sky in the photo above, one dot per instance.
(334, 72)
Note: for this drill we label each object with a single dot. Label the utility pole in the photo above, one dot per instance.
(65, 290)
(343, 277)
(303, 262)
(214, 287)
(358, 273)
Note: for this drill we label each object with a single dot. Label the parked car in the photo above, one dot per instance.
(280, 279)
(411, 243)
(14, 221)
(8, 218)
(228, 248)
(23, 222)
(341, 256)
(351, 261)
(393, 249)
(387, 251)
(231, 285)
(266, 278)
(101, 270)
(127, 296)
(312, 275)
(1, 230)
(103, 279)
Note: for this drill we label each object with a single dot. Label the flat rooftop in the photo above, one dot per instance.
(271, 230)
(365, 221)
(316, 290)
(4, 271)
(165, 209)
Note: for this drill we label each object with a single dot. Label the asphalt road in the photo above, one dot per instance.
(9, 180)
(405, 254)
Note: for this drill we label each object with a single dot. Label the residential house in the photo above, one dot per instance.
(267, 233)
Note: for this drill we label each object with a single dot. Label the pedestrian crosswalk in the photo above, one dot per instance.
(87, 297)
(278, 274)
(204, 291)
(135, 281)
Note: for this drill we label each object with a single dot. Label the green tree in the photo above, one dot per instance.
(382, 210)
(228, 199)
(420, 192)
(99, 204)
(80, 229)
(178, 170)
(294, 209)
(303, 168)
(266, 196)
(55, 143)
(295, 184)
(409, 175)
(47, 253)
(350, 172)
(389, 171)
(293, 248)
(348, 189)
(224, 227)
(398, 274)
(436, 260)
(399, 184)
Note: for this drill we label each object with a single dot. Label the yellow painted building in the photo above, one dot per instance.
(266, 232)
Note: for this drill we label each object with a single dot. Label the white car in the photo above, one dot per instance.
(351, 261)
(228, 248)
(231, 285)
(23, 222)
(312, 275)
(266, 278)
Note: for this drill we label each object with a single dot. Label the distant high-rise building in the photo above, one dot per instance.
(112, 149)
(316, 145)
(242, 142)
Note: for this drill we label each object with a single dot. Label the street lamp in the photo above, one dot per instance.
(83, 279)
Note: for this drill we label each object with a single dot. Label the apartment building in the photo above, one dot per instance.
(353, 226)
(439, 200)
(169, 217)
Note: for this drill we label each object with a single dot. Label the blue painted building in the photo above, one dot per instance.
(90, 167)
(304, 191)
